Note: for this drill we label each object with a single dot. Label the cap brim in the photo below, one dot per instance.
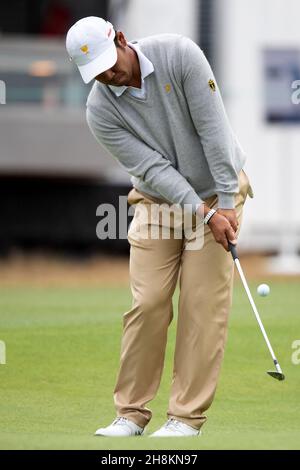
(103, 62)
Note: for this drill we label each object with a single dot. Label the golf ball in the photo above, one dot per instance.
(263, 290)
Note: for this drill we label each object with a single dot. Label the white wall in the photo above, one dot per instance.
(145, 18)
(273, 151)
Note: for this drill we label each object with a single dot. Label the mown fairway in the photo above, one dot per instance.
(62, 359)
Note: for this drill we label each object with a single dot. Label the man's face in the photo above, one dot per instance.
(121, 73)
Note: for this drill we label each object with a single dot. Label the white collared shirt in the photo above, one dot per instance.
(146, 67)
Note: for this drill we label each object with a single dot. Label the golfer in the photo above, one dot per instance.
(156, 107)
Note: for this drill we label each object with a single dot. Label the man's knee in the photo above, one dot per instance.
(152, 307)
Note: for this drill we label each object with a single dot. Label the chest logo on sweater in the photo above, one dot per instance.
(212, 85)
(168, 87)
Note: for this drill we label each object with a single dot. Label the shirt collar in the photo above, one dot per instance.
(146, 67)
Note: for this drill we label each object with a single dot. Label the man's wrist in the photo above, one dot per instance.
(204, 210)
(209, 215)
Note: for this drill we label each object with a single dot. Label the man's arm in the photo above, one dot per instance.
(211, 122)
(217, 139)
(145, 163)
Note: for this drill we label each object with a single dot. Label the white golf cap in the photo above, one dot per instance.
(90, 45)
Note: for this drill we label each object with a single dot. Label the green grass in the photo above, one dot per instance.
(62, 360)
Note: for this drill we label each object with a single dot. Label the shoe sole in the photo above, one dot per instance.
(132, 435)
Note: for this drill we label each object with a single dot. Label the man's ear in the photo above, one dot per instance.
(120, 39)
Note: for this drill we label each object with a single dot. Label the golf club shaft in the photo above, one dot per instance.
(245, 284)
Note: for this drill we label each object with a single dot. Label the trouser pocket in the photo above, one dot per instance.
(250, 192)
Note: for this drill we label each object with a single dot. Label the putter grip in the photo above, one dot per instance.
(233, 251)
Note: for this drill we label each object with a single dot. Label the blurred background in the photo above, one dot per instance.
(53, 174)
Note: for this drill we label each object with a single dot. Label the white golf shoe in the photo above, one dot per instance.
(174, 428)
(120, 427)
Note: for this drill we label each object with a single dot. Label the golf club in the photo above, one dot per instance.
(277, 374)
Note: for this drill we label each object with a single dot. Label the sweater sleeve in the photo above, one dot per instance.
(211, 122)
(143, 162)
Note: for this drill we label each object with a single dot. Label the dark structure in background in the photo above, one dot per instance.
(46, 17)
(56, 213)
(51, 211)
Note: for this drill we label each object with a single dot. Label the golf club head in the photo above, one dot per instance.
(276, 375)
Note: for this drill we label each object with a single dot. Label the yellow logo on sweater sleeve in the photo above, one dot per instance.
(168, 87)
(212, 85)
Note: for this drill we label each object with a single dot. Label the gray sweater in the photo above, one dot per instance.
(177, 142)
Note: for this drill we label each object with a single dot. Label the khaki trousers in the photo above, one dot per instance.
(205, 280)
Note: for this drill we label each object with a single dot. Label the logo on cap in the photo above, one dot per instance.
(85, 49)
